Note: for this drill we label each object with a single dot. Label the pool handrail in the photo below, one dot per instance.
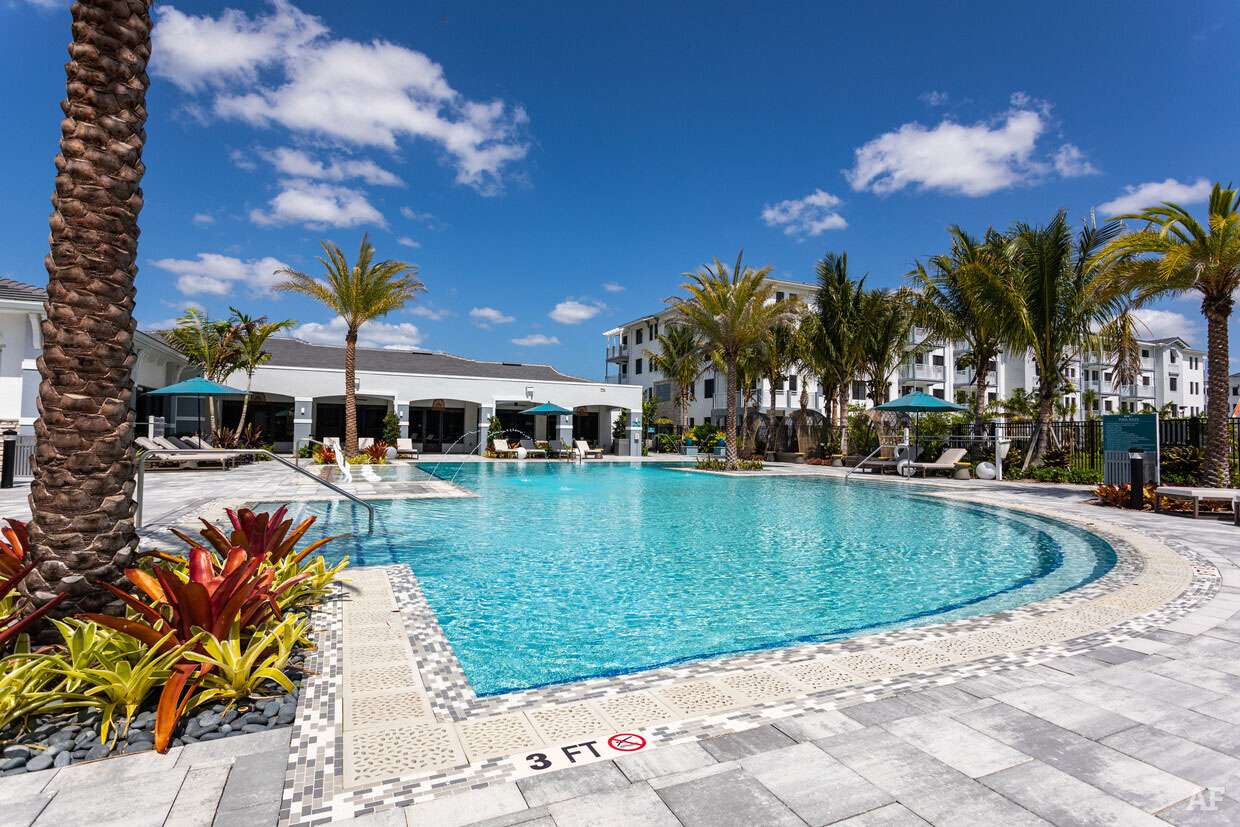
(137, 516)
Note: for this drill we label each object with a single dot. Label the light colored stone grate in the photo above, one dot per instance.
(388, 752)
(496, 736)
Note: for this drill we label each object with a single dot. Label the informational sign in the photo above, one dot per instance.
(1122, 432)
(582, 752)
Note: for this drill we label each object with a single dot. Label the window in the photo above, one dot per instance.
(938, 360)
(1107, 406)
(1172, 383)
(690, 422)
(992, 397)
(938, 392)
(708, 388)
(1145, 354)
(1095, 376)
(779, 296)
(663, 391)
(624, 370)
(639, 340)
(637, 365)
(624, 340)
(1174, 356)
(858, 389)
(1107, 376)
(1145, 380)
(920, 358)
(792, 383)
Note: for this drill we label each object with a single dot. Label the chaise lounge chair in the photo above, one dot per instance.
(185, 461)
(364, 442)
(889, 457)
(946, 462)
(584, 450)
(531, 449)
(500, 446)
(558, 449)
(197, 444)
(404, 448)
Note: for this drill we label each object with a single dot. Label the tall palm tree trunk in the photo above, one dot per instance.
(842, 419)
(350, 395)
(1216, 471)
(245, 403)
(730, 451)
(979, 403)
(1042, 434)
(81, 496)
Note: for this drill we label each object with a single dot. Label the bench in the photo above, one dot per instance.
(1197, 495)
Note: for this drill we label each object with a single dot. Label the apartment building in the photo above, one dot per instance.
(1172, 372)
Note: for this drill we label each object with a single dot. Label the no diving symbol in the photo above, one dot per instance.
(626, 742)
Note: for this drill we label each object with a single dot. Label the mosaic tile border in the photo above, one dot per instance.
(1149, 575)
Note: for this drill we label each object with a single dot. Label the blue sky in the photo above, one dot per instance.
(553, 168)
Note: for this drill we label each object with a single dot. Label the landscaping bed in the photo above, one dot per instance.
(212, 645)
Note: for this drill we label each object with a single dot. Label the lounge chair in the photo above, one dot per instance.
(584, 450)
(500, 446)
(946, 462)
(404, 447)
(531, 450)
(185, 461)
(197, 444)
(558, 449)
(1197, 495)
(889, 457)
(364, 442)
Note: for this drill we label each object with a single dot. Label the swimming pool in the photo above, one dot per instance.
(564, 571)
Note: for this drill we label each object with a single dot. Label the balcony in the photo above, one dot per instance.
(617, 353)
(1135, 391)
(921, 373)
(965, 377)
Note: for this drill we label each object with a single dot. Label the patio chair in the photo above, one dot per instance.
(558, 449)
(169, 462)
(584, 450)
(404, 447)
(197, 444)
(500, 446)
(531, 449)
(889, 456)
(946, 462)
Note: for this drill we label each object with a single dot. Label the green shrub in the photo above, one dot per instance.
(1056, 456)
(1181, 466)
(391, 427)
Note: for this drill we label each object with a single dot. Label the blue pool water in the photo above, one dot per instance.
(561, 571)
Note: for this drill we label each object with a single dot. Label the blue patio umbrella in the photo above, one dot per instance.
(918, 403)
(198, 387)
(548, 409)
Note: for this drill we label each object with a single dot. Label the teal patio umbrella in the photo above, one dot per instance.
(918, 403)
(548, 409)
(198, 387)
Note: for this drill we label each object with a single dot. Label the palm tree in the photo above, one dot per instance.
(81, 496)
(1174, 254)
(680, 360)
(367, 290)
(1089, 401)
(209, 345)
(252, 335)
(777, 355)
(731, 311)
(832, 336)
(952, 313)
(886, 322)
(1055, 298)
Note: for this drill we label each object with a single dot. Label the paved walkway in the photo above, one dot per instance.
(1145, 730)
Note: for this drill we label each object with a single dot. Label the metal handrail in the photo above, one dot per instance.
(297, 448)
(137, 517)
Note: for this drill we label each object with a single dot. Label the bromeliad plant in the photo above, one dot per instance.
(237, 669)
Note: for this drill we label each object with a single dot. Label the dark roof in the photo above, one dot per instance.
(301, 354)
(10, 289)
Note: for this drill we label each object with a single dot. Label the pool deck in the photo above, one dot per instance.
(1119, 703)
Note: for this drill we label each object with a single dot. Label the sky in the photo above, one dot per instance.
(553, 169)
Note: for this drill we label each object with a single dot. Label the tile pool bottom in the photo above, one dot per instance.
(559, 573)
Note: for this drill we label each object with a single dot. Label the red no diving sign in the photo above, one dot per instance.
(626, 742)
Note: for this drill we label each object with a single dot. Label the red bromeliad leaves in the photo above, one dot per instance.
(14, 547)
(14, 624)
(263, 534)
(173, 700)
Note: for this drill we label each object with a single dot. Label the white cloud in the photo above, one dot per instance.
(299, 164)
(218, 275)
(401, 336)
(808, 216)
(487, 316)
(243, 160)
(571, 311)
(933, 98)
(283, 68)
(408, 242)
(414, 215)
(1152, 193)
(1158, 324)
(535, 340)
(428, 311)
(1070, 162)
(165, 324)
(203, 219)
(319, 205)
(967, 159)
(613, 287)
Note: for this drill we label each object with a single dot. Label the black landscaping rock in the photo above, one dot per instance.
(18, 751)
(229, 716)
(86, 736)
(40, 762)
(212, 736)
(12, 763)
(141, 736)
(64, 759)
(252, 728)
(130, 749)
(254, 718)
(96, 752)
(14, 771)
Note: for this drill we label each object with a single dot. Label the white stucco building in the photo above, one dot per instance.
(1172, 372)
(444, 402)
(21, 342)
